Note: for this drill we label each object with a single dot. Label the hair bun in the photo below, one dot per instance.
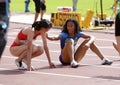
(42, 24)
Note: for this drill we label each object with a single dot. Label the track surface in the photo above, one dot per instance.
(90, 72)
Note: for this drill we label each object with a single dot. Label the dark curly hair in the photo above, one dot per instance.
(42, 24)
(77, 26)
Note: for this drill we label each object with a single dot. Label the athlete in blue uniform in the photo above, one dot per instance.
(68, 39)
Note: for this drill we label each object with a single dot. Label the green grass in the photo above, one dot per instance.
(83, 5)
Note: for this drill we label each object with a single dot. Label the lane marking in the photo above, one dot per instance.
(14, 32)
(58, 51)
(65, 75)
(73, 76)
(57, 43)
(57, 62)
(108, 40)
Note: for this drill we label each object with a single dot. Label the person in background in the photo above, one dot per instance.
(4, 23)
(74, 5)
(27, 5)
(40, 9)
(68, 40)
(116, 2)
(23, 46)
(117, 33)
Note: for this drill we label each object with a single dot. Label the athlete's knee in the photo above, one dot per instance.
(70, 41)
(86, 40)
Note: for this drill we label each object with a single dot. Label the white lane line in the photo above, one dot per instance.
(116, 57)
(108, 40)
(57, 62)
(58, 51)
(15, 33)
(57, 43)
(73, 76)
(65, 75)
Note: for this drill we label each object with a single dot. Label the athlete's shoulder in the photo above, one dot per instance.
(63, 34)
(27, 30)
(79, 34)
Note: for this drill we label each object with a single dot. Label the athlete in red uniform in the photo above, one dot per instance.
(23, 47)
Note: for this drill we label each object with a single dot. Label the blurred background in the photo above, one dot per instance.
(82, 6)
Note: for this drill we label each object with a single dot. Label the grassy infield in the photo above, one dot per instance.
(83, 5)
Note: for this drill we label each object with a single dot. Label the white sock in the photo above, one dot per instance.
(104, 59)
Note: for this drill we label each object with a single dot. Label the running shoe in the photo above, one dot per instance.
(19, 65)
(74, 64)
(106, 62)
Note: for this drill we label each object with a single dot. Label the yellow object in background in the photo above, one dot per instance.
(104, 16)
(60, 18)
(87, 19)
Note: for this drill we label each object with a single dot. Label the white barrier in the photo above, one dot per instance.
(64, 9)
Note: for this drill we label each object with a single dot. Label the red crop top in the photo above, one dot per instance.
(22, 36)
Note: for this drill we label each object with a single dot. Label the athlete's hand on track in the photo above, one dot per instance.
(52, 65)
